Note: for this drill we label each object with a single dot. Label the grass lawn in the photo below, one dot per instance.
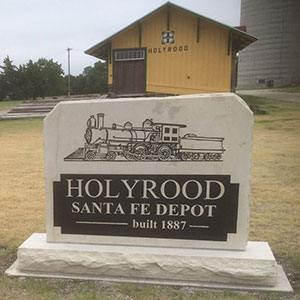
(275, 180)
(290, 89)
(9, 104)
(275, 209)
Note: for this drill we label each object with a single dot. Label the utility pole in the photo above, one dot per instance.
(69, 75)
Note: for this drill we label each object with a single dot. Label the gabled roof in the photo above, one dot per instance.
(241, 39)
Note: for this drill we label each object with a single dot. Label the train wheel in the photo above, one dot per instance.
(207, 156)
(201, 156)
(140, 152)
(88, 135)
(164, 153)
(218, 156)
(195, 156)
(128, 155)
(111, 155)
(212, 156)
(90, 155)
(184, 156)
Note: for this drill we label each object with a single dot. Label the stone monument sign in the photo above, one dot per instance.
(153, 190)
(171, 172)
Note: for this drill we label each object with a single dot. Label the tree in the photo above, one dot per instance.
(77, 84)
(3, 92)
(45, 78)
(9, 79)
(34, 80)
(96, 78)
(51, 74)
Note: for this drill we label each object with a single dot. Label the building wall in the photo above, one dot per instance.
(185, 67)
(275, 57)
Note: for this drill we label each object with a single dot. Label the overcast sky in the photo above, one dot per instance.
(30, 29)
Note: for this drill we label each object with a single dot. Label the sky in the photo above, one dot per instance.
(33, 29)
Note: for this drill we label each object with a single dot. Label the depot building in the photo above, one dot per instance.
(172, 51)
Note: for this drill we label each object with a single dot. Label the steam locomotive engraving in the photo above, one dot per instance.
(152, 141)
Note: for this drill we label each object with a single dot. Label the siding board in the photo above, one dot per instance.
(204, 67)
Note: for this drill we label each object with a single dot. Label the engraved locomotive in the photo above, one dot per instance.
(151, 141)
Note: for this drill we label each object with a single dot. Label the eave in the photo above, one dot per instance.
(240, 38)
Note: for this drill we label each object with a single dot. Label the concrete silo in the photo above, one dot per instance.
(274, 60)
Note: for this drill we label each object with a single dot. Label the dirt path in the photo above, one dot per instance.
(272, 94)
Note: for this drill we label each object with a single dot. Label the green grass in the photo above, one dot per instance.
(275, 210)
(52, 289)
(275, 181)
(280, 115)
(295, 259)
(9, 104)
(273, 107)
(290, 89)
(20, 126)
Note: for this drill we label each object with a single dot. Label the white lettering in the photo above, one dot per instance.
(173, 210)
(108, 195)
(98, 207)
(145, 209)
(163, 189)
(184, 209)
(199, 189)
(85, 209)
(161, 209)
(129, 188)
(210, 210)
(78, 187)
(150, 189)
(208, 189)
(119, 210)
(133, 208)
(75, 207)
(87, 188)
(193, 210)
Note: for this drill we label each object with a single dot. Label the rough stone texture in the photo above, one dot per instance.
(255, 266)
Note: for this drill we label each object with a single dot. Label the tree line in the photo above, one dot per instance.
(46, 78)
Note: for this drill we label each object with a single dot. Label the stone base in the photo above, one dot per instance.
(252, 269)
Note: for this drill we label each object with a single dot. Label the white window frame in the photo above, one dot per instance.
(125, 55)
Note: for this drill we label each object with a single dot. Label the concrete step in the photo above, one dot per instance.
(23, 116)
(37, 104)
(40, 108)
(31, 109)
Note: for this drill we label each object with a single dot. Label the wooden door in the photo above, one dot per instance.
(129, 72)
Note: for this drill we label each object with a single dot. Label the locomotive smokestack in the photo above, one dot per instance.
(100, 120)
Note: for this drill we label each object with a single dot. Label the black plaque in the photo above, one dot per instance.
(193, 207)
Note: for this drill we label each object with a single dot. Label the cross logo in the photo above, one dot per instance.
(168, 37)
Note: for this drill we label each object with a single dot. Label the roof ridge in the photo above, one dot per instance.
(168, 3)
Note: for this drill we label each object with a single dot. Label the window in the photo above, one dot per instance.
(129, 55)
(170, 134)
